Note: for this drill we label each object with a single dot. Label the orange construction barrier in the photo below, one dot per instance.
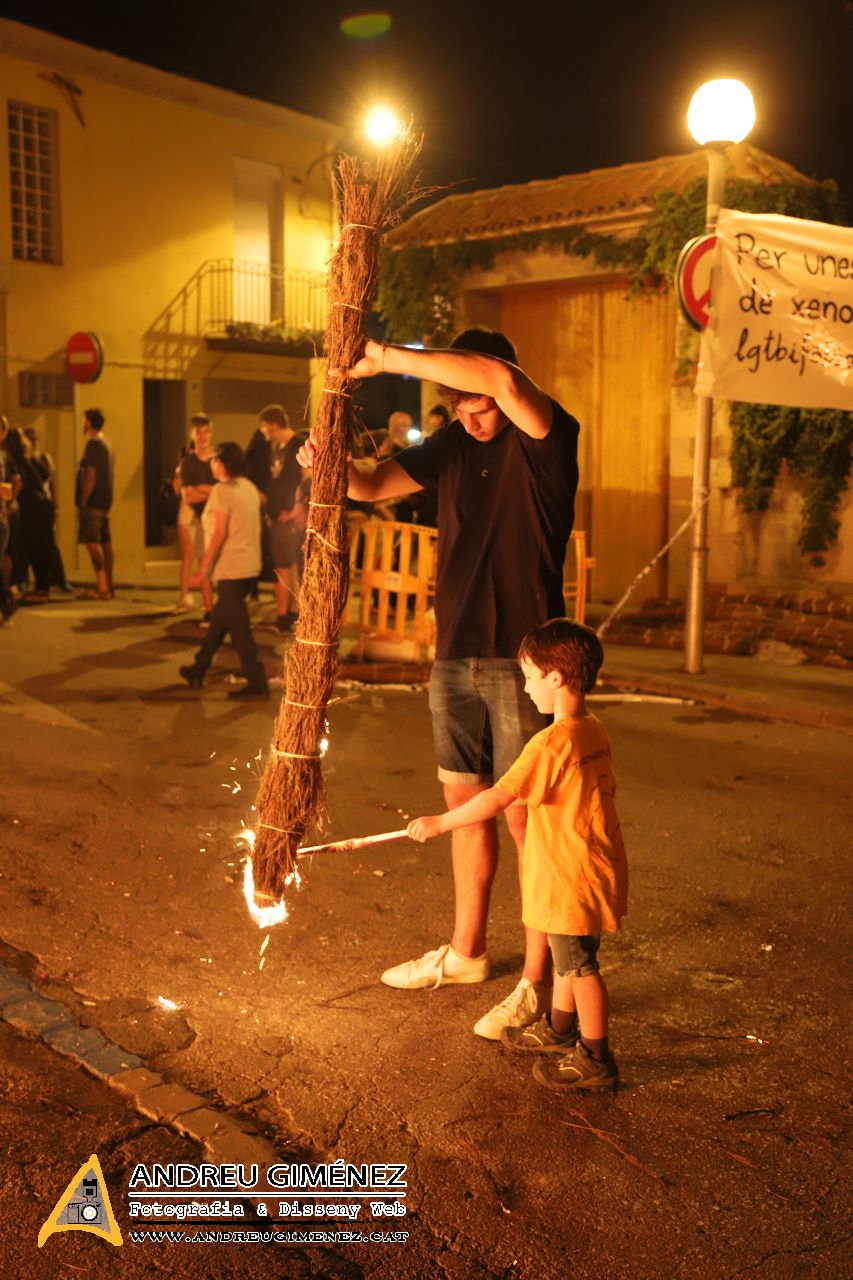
(577, 587)
(392, 588)
(392, 584)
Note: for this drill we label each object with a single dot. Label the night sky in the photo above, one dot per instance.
(512, 92)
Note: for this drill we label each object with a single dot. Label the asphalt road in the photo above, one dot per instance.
(723, 1154)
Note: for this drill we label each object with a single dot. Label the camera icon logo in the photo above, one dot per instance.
(88, 1212)
(84, 1206)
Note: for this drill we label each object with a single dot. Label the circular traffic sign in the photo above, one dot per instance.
(84, 357)
(693, 279)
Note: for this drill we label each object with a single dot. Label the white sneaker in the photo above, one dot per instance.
(437, 969)
(524, 1005)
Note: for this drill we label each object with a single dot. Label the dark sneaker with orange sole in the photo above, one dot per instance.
(540, 1038)
(578, 1070)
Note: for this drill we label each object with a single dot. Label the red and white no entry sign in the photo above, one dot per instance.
(693, 279)
(84, 357)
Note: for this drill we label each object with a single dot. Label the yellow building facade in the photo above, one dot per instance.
(187, 227)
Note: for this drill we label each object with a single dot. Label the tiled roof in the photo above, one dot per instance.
(603, 199)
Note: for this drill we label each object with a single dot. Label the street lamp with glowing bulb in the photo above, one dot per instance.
(721, 112)
(382, 126)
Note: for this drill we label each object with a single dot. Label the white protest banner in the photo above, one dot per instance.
(781, 317)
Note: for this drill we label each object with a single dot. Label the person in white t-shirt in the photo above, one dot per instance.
(232, 558)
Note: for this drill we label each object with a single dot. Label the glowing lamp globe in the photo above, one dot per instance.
(721, 111)
(381, 125)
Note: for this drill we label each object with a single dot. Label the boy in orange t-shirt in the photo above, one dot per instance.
(574, 874)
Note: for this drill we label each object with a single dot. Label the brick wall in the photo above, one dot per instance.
(820, 627)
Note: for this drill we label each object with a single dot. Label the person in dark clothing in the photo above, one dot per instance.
(426, 503)
(232, 521)
(259, 470)
(45, 461)
(397, 439)
(259, 461)
(36, 511)
(506, 474)
(284, 515)
(10, 484)
(94, 501)
(195, 481)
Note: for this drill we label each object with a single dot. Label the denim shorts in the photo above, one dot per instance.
(481, 718)
(575, 955)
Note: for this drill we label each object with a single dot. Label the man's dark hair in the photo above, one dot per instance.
(276, 414)
(439, 411)
(565, 646)
(95, 419)
(199, 420)
(485, 342)
(231, 457)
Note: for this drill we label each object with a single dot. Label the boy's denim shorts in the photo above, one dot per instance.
(575, 955)
(481, 718)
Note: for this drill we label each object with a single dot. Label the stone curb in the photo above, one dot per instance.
(765, 706)
(223, 1136)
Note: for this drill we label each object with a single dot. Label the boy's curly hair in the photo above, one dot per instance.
(568, 647)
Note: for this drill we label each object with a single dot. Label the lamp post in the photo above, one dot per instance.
(720, 113)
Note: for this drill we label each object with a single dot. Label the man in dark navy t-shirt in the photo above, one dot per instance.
(505, 472)
(94, 501)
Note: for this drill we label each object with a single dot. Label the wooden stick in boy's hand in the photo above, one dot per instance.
(346, 846)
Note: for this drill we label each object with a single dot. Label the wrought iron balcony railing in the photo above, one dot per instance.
(284, 300)
(224, 298)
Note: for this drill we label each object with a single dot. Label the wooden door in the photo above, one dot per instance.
(608, 358)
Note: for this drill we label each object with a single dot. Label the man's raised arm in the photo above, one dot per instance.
(515, 394)
(366, 482)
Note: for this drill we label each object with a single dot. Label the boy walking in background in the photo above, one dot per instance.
(574, 880)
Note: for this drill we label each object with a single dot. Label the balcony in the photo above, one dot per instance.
(238, 306)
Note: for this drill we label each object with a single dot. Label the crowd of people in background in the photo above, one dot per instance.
(240, 517)
(270, 463)
(29, 554)
(243, 516)
(31, 565)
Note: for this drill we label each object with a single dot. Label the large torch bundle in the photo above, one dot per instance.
(370, 198)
